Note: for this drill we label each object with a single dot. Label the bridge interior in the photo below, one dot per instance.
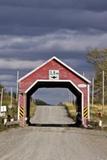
(55, 84)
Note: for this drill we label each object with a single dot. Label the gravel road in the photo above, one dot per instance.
(51, 115)
(53, 143)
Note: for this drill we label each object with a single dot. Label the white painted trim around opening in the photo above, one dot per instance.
(82, 101)
(82, 108)
(18, 108)
(88, 87)
(53, 82)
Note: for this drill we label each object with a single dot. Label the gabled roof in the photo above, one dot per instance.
(59, 61)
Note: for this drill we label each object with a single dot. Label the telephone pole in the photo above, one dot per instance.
(92, 95)
(1, 97)
(11, 100)
(102, 92)
(17, 86)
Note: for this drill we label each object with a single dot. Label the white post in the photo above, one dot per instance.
(89, 113)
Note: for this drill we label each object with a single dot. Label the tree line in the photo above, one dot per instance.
(98, 58)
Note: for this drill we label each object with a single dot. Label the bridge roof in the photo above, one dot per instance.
(60, 62)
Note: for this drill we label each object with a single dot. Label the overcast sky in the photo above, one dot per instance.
(32, 31)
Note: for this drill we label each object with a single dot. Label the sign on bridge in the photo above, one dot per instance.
(53, 74)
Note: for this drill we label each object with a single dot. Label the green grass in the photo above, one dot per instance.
(12, 112)
(95, 116)
(3, 127)
(32, 109)
(71, 109)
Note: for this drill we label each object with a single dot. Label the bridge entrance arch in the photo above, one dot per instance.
(53, 74)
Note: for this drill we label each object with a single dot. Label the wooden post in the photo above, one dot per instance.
(11, 100)
(102, 92)
(2, 96)
(92, 103)
(17, 89)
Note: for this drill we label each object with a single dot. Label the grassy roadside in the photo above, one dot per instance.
(12, 113)
(94, 114)
(6, 127)
(71, 109)
(32, 108)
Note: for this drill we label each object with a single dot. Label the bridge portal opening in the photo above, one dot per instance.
(56, 84)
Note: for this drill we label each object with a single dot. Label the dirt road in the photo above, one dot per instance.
(53, 143)
(51, 115)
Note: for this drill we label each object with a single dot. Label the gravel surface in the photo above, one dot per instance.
(53, 143)
(51, 115)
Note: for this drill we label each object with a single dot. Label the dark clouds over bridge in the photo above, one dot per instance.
(32, 31)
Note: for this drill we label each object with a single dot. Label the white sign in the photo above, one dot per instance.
(54, 74)
(3, 109)
(2, 114)
(82, 85)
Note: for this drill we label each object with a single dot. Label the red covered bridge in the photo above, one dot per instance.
(53, 73)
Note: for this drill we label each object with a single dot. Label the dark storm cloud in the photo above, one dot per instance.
(98, 5)
(64, 44)
(32, 31)
(26, 21)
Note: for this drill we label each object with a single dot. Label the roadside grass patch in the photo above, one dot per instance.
(71, 110)
(9, 125)
(95, 113)
(32, 109)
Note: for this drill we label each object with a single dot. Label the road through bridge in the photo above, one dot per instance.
(52, 143)
(51, 116)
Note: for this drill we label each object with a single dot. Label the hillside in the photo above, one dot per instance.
(40, 102)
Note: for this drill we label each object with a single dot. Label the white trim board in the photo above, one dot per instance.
(88, 102)
(59, 61)
(52, 82)
(82, 100)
